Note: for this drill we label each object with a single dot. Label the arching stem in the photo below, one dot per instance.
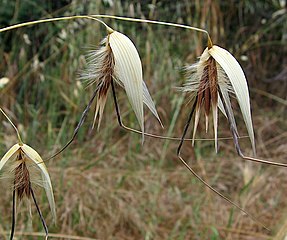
(156, 22)
(56, 19)
(95, 17)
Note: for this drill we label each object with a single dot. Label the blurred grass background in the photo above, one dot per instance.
(107, 185)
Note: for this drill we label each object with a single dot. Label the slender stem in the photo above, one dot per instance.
(264, 161)
(94, 17)
(175, 138)
(26, 24)
(155, 22)
(40, 214)
(82, 119)
(220, 194)
(16, 129)
(13, 214)
(186, 126)
(236, 142)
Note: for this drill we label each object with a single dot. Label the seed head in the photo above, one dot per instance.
(219, 72)
(25, 166)
(118, 59)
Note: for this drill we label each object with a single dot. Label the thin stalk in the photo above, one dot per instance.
(16, 129)
(26, 24)
(157, 22)
(175, 138)
(110, 30)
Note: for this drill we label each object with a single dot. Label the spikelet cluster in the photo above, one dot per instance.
(118, 59)
(25, 167)
(211, 80)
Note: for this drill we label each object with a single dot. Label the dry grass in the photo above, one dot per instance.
(119, 196)
(108, 186)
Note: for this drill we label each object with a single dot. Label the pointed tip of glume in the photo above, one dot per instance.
(206, 123)
(161, 124)
(216, 148)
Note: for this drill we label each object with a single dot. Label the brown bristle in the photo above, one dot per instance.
(22, 179)
(204, 93)
(207, 94)
(202, 87)
(107, 73)
(104, 80)
(213, 80)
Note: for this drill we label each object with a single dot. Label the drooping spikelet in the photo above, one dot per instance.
(100, 72)
(27, 167)
(211, 80)
(119, 60)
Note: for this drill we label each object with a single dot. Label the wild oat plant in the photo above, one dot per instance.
(24, 167)
(210, 82)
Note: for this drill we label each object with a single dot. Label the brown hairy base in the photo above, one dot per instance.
(22, 182)
(103, 83)
(207, 92)
(106, 73)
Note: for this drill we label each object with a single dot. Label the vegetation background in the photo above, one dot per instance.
(107, 185)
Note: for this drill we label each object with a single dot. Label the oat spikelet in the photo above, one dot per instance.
(218, 70)
(118, 60)
(22, 182)
(237, 80)
(203, 81)
(26, 167)
(100, 72)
